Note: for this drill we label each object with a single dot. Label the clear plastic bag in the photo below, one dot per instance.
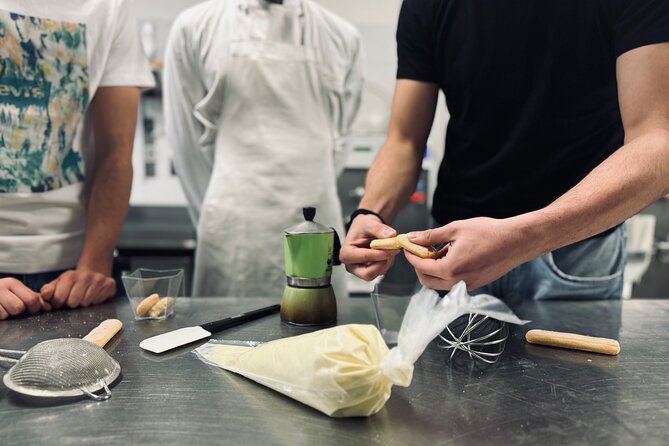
(348, 370)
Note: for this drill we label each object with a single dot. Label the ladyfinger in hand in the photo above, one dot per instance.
(387, 244)
(425, 252)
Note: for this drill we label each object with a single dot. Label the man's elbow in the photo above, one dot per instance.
(659, 138)
(664, 141)
(663, 135)
(656, 135)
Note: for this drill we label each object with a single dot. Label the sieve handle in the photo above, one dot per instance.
(6, 359)
(99, 397)
(4, 352)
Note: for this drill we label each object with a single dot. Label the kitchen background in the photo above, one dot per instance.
(158, 232)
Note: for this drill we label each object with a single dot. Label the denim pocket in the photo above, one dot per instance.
(595, 261)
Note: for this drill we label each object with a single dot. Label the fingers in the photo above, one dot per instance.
(46, 306)
(364, 255)
(77, 293)
(378, 230)
(47, 290)
(108, 291)
(12, 305)
(92, 293)
(432, 273)
(62, 291)
(30, 299)
(367, 263)
(370, 271)
(78, 289)
(435, 236)
(16, 298)
(430, 267)
(359, 259)
(102, 289)
(369, 227)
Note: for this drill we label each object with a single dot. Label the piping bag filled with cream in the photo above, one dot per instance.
(348, 371)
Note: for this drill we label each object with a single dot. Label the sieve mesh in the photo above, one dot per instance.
(62, 365)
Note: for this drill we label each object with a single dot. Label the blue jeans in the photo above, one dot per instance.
(34, 281)
(589, 269)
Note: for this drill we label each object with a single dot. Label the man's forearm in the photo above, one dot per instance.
(392, 179)
(625, 183)
(394, 173)
(107, 207)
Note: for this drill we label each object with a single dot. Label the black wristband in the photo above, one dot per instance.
(362, 212)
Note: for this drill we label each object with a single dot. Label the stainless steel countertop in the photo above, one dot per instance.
(534, 395)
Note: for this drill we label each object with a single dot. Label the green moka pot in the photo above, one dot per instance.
(310, 250)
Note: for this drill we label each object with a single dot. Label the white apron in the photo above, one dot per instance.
(273, 156)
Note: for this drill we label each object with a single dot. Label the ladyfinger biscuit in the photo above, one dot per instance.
(101, 334)
(146, 305)
(162, 306)
(425, 252)
(387, 244)
(573, 341)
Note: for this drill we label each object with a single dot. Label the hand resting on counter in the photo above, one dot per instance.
(78, 288)
(75, 288)
(16, 299)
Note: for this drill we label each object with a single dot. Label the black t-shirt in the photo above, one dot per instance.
(531, 89)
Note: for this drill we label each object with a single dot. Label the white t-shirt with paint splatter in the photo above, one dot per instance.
(54, 55)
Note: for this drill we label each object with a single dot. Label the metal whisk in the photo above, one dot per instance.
(481, 337)
(62, 368)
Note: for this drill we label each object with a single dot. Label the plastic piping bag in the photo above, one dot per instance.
(348, 370)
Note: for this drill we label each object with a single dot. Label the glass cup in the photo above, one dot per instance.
(144, 283)
(390, 302)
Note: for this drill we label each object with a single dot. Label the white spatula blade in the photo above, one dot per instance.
(174, 339)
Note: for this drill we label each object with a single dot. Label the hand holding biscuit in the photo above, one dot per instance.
(356, 254)
(480, 250)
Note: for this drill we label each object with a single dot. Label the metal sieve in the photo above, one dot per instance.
(62, 368)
